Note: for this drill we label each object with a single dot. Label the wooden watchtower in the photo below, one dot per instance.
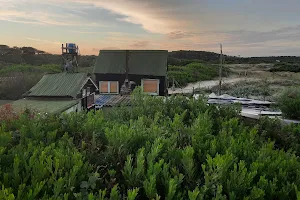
(70, 55)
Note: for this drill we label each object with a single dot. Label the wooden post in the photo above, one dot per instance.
(220, 70)
(173, 86)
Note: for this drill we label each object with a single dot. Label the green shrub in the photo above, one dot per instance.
(25, 77)
(285, 136)
(174, 148)
(247, 89)
(286, 67)
(192, 72)
(34, 170)
(30, 69)
(181, 62)
(289, 103)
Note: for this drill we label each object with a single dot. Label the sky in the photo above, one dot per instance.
(244, 27)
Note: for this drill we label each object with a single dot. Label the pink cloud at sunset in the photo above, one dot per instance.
(241, 26)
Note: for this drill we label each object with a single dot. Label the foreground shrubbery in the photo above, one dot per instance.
(156, 149)
(286, 137)
(289, 103)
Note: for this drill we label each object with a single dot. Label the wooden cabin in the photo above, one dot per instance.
(146, 68)
(60, 92)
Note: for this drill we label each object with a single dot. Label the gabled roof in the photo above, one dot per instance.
(141, 62)
(59, 85)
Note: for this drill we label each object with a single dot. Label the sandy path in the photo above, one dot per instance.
(207, 84)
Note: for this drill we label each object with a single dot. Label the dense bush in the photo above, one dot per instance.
(191, 73)
(14, 55)
(7, 113)
(289, 103)
(17, 86)
(30, 69)
(32, 56)
(181, 62)
(247, 89)
(286, 67)
(285, 136)
(22, 78)
(158, 148)
(211, 57)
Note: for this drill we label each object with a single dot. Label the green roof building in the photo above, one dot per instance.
(146, 68)
(60, 92)
(62, 85)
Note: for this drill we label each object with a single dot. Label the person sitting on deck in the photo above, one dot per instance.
(125, 89)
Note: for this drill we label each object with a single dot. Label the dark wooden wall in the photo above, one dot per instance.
(136, 78)
(93, 89)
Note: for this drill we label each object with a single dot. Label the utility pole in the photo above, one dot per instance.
(220, 70)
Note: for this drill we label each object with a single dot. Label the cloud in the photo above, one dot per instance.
(41, 41)
(168, 16)
(140, 44)
(290, 33)
(281, 41)
(149, 15)
(42, 19)
(245, 43)
(241, 26)
(43, 13)
(179, 35)
(104, 48)
(86, 32)
(16, 16)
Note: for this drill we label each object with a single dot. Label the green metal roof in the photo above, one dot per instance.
(49, 106)
(141, 62)
(58, 85)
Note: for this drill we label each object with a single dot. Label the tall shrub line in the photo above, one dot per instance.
(174, 148)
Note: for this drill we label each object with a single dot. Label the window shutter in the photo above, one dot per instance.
(104, 86)
(113, 87)
(150, 86)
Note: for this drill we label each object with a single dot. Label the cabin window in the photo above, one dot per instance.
(109, 87)
(113, 87)
(150, 86)
(88, 91)
(83, 92)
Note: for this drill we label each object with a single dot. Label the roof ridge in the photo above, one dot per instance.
(141, 62)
